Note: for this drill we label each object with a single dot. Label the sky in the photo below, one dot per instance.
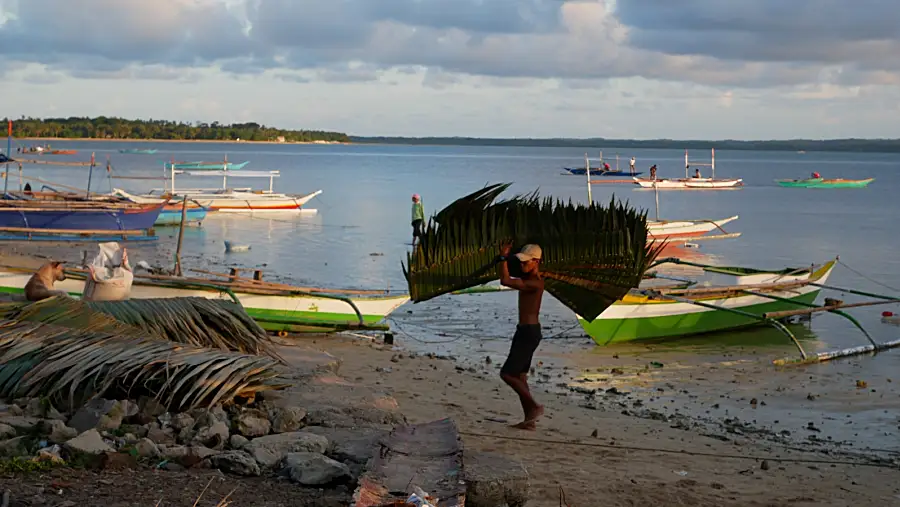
(638, 69)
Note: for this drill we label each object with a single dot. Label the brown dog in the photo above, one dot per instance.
(41, 284)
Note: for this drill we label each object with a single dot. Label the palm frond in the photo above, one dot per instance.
(592, 255)
(72, 366)
(194, 321)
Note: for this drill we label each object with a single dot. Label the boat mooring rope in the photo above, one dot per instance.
(842, 263)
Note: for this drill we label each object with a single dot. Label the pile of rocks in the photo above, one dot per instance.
(246, 440)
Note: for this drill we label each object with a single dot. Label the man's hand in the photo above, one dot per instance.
(505, 249)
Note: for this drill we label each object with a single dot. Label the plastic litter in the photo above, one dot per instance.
(110, 275)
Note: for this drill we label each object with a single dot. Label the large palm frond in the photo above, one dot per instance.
(72, 366)
(592, 255)
(194, 321)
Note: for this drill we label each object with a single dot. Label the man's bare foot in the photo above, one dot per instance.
(524, 425)
(534, 414)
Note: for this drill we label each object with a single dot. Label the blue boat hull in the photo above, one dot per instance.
(600, 172)
(173, 217)
(99, 219)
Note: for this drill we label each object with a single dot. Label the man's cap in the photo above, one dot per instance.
(529, 252)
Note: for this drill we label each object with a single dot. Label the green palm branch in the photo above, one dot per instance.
(592, 255)
(71, 366)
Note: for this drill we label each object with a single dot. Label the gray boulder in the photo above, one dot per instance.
(89, 442)
(236, 462)
(314, 469)
(288, 419)
(252, 423)
(271, 449)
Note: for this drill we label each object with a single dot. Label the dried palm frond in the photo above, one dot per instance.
(195, 321)
(73, 366)
(592, 255)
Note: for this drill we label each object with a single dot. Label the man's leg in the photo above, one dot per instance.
(531, 409)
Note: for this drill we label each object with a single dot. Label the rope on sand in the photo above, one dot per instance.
(683, 452)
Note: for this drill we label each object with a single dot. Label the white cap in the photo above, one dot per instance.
(529, 252)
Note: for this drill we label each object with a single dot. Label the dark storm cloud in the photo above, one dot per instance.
(866, 32)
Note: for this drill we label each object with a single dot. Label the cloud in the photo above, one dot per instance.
(735, 44)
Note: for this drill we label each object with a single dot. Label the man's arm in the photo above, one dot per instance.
(517, 283)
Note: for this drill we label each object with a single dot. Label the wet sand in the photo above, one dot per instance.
(603, 454)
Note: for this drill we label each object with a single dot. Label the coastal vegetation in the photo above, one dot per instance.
(103, 127)
(846, 145)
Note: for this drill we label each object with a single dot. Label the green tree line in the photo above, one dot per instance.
(104, 127)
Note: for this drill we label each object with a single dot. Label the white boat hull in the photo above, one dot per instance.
(685, 228)
(688, 183)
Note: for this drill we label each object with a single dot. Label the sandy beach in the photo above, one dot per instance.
(631, 461)
(602, 440)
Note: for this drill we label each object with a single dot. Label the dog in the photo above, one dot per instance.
(40, 286)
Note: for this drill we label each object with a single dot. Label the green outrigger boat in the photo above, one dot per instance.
(823, 183)
(656, 313)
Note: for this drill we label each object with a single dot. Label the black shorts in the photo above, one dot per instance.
(417, 228)
(524, 343)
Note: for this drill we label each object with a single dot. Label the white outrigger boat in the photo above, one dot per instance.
(672, 229)
(275, 307)
(691, 183)
(229, 200)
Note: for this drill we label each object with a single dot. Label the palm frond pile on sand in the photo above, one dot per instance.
(592, 255)
(72, 366)
(194, 321)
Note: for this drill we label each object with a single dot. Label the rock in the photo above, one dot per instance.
(136, 430)
(288, 419)
(236, 462)
(42, 409)
(14, 447)
(252, 423)
(117, 461)
(187, 456)
(101, 414)
(182, 421)
(238, 441)
(173, 467)
(350, 445)
(148, 410)
(89, 442)
(204, 418)
(764, 465)
(314, 469)
(161, 436)
(214, 436)
(174, 452)
(57, 431)
(493, 480)
(270, 450)
(21, 423)
(6, 431)
(145, 448)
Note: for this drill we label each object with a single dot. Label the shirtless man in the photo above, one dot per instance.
(528, 333)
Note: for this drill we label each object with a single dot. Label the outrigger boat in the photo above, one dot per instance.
(212, 166)
(758, 297)
(230, 200)
(599, 171)
(823, 183)
(275, 307)
(691, 183)
(137, 151)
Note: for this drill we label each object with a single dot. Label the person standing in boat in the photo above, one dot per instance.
(653, 172)
(528, 332)
(632, 165)
(816, 175)
(606, 166)
(697, 173)
(418, 217)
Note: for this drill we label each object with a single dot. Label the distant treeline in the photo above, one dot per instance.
(118, 128)
(851, 145)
